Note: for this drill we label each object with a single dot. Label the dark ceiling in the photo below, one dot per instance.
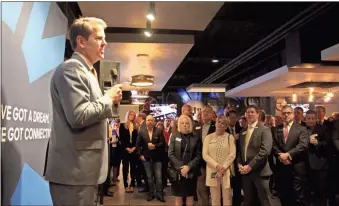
(236, 28)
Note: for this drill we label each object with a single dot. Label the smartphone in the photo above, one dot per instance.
(213, 175)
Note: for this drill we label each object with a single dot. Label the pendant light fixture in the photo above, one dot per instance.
(148, 31)
(142, 80)
(151, 11)
(140, 94)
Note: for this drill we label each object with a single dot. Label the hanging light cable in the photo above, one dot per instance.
(294, 96)
(148, 30)
(151, 11)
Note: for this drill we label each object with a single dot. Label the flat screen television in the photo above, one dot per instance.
(163, 111)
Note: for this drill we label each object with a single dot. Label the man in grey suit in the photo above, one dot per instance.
(77, 159)
(255, 144)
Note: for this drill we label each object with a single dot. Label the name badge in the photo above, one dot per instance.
(244, 133)
(178, 139)
(198, 128)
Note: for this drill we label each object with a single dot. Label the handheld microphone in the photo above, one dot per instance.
(114, 81)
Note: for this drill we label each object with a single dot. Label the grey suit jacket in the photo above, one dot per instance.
(78, 150)
(258, 150)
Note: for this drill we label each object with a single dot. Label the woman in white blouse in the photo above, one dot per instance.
(219, 153)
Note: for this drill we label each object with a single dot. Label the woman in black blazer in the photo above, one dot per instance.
(184, 155)
(128, 139)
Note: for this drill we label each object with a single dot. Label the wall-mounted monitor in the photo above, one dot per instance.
(163, 111)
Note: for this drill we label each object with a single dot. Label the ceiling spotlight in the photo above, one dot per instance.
(142, 80)
(148, 31)
(151, 12)
(215, 60)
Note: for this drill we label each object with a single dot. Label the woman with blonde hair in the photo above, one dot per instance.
(184, 156)
(128, 138)
(219, 153)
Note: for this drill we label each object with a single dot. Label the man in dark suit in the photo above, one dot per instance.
(188, 110)
(77, 158)
(167, 126)
(255, 146)
(141, 120)
(335, 134)
(335, 166)
(290, 148)
(141, 174)
(234, 129)
(299, 116)
(150, 146)
(321, 112)
(333, 159)
(318, 154)
(207, 127)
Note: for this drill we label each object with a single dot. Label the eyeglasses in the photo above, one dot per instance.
(286, 113)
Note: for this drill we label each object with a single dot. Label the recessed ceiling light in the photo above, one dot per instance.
(215, 60)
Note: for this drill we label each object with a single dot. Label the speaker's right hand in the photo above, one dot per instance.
(115, 93)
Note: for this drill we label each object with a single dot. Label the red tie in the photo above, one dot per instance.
(285, 133)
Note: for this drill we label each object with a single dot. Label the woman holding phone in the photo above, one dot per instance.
(219, 153)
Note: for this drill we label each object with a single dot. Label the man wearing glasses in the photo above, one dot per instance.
(290, 142)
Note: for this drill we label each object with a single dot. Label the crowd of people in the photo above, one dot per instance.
(230, 159)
